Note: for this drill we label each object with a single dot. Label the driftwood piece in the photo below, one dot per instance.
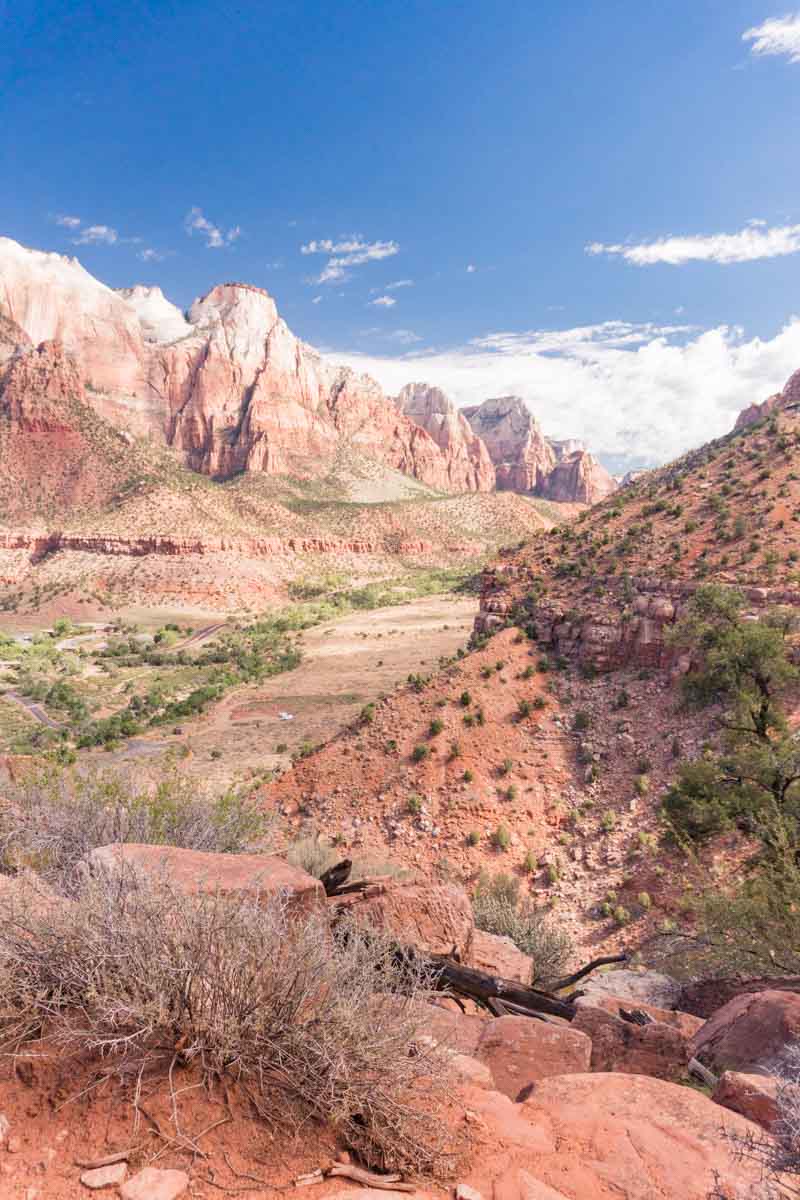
(568, 980)
(388, 1183)
(108, 1160)
(702, 1073)
(477, 985)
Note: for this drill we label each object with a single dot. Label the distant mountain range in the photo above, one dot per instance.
(229, 389)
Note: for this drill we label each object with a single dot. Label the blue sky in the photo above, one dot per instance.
(478, 151)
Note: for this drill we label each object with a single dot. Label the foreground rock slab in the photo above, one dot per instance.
(641, 987)
(607, 1137)
(152, 1184)
(754, 1096)
(655, 1049)
(433, 917)
(519, 1051)
(196, 872)
(499, 956)
(749, 1033)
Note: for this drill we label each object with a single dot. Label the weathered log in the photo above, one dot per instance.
(635, 1016)
(480, 987)
(335, 876)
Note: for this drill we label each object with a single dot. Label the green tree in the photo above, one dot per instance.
(744, 665)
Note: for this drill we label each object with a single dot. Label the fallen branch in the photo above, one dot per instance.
(389, 1183)
(702, 1073)
(568, 980)
(108, 1160)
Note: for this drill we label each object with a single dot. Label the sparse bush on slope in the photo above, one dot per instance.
(55, 816)
(498, 909)
(314, 1026)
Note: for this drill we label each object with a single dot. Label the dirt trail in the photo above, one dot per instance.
(35, 710)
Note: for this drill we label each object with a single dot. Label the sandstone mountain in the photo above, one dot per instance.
(526, 461)
(230, 389)
(470, 466)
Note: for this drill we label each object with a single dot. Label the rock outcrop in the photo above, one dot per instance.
(751, 1033)
(789, 397)
(526, 461)
(522, 455)
(470, 468)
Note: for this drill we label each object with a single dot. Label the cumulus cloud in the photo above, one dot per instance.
(150, 255)
(196, 222)
(383, 302)
(398, 283)
(317, 300)
(636, 394)
(753, 242)
(471, 268)
(69, 222)
(348, 251)
(777, 36)
(94, 234)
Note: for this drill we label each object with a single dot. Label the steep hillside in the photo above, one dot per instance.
(603, 590)
(548, 749)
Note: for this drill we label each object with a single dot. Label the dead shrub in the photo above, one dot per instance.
(777, 1154)
(152, 979)
(55, 816)
(499, 909)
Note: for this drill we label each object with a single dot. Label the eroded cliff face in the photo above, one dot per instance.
(522, 456)
(789, 397)
(228, 386)
(526, 461)
(469, 464)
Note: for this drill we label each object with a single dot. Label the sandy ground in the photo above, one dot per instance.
(346, 664)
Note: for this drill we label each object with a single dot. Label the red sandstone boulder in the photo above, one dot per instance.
(685, 1022)
(196, 872)
(499, 956)
(754, 1096)
(607, 1137)
(519, 1051)
(436, 917)
(750, 1032)
(655, 1049)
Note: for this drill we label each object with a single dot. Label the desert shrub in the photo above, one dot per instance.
(419, 753)
(581, 721)
(316, 1028)
(501, 838)
(314, 855)
(55, 816)
(465, 700)
(436, 726)
(499, 909)
(468, 776)
(524, 709)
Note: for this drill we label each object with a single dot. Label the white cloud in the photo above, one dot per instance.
(636, 394)
(93, 234)
(383, 302)
(69, 222)
(348, 251)
(149, 255)
(195, 221)
(406, 336)
(778, 35)
(471, 268)
(751, 243)
(398, 283)
(316, 300)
